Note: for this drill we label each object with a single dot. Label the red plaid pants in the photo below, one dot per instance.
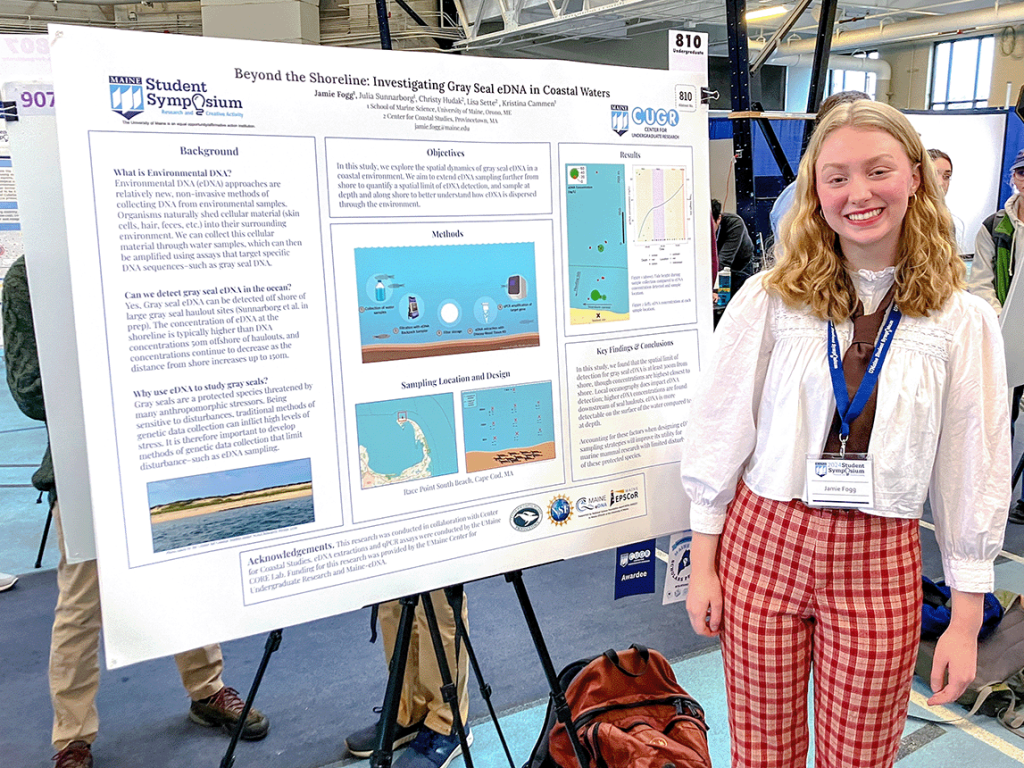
(834, 588)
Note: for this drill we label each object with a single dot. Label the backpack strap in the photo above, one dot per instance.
(613, 657)
(1000, 229)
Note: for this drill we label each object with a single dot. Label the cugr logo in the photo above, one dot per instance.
(652, 116)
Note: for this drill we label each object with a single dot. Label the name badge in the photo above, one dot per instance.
(845, 482)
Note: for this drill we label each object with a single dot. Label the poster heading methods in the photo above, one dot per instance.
(414, 85)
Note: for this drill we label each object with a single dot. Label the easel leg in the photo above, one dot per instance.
(448, 692)
(381, 757)
(272, 644)
(455, 596)
(557, 694)
(42, 543)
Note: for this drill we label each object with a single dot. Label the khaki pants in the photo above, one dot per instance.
(421, 689)
(74, 653)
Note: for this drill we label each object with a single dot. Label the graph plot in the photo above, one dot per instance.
(660, 204)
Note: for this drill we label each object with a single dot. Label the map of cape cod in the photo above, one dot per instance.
(406, 439)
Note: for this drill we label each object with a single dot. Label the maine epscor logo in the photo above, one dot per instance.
(622, 495)
(126, 96)
(620, 118)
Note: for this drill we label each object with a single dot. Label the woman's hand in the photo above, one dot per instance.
(956, 653)
(704, 599)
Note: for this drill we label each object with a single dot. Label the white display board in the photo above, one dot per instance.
(22, 57)
(361, 324)
(41, 237)
(975, 187)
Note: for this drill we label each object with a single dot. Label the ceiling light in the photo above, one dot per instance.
(767, 13)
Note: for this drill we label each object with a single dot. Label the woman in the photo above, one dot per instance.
(944, 169)
(868, 250)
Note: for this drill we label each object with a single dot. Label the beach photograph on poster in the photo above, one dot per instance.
(411, 438)
(433, 300)
(185, 511)
(505, 426)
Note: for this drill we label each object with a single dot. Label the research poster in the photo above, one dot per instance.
(368, 323)
(22, 57)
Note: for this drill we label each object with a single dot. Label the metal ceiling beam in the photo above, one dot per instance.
(742, 138)
(783, 30)
(819, 69)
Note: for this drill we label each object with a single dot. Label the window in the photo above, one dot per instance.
(852, 79)
(962, 73)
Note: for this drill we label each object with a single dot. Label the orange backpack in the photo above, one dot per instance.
(629, 712)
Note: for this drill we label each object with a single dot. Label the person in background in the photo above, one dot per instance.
(997, 249)
(424, 718)
(863, 308)
(735, 248)
(785, 199)
(74, 643)
(944, 168)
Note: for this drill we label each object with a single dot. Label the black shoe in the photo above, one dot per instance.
(364, 741)
(1017, 513)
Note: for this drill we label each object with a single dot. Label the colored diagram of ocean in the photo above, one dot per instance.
(391, 443)
(230, 523)
(507, 417)
(595, 203)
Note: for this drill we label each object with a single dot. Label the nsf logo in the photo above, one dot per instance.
(651, 116)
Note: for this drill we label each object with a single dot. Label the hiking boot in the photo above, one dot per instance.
(223, 708)
(1017, 513)
(77, 754)
(432, 750)
(364, 741)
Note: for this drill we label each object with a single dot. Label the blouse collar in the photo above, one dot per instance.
(871, 286)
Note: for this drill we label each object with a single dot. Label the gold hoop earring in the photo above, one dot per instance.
(913, 199)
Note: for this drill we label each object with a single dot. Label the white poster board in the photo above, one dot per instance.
(22, 57)
(975, 187)
(41, 237)
(363, 323)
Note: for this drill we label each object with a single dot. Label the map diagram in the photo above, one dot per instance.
(505, 426)
(595, 206)
(406, 439)
(659, 204)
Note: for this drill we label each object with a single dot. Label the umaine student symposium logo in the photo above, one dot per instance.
(126, 96)
(620, 118)
(820, 468)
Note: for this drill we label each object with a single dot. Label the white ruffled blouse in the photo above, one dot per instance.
(941, 429)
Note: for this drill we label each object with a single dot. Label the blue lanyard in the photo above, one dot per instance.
(849, 411)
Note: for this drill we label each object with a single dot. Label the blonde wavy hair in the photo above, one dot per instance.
(809, 269)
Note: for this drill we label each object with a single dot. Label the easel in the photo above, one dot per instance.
(381, 757)
(272, 644)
